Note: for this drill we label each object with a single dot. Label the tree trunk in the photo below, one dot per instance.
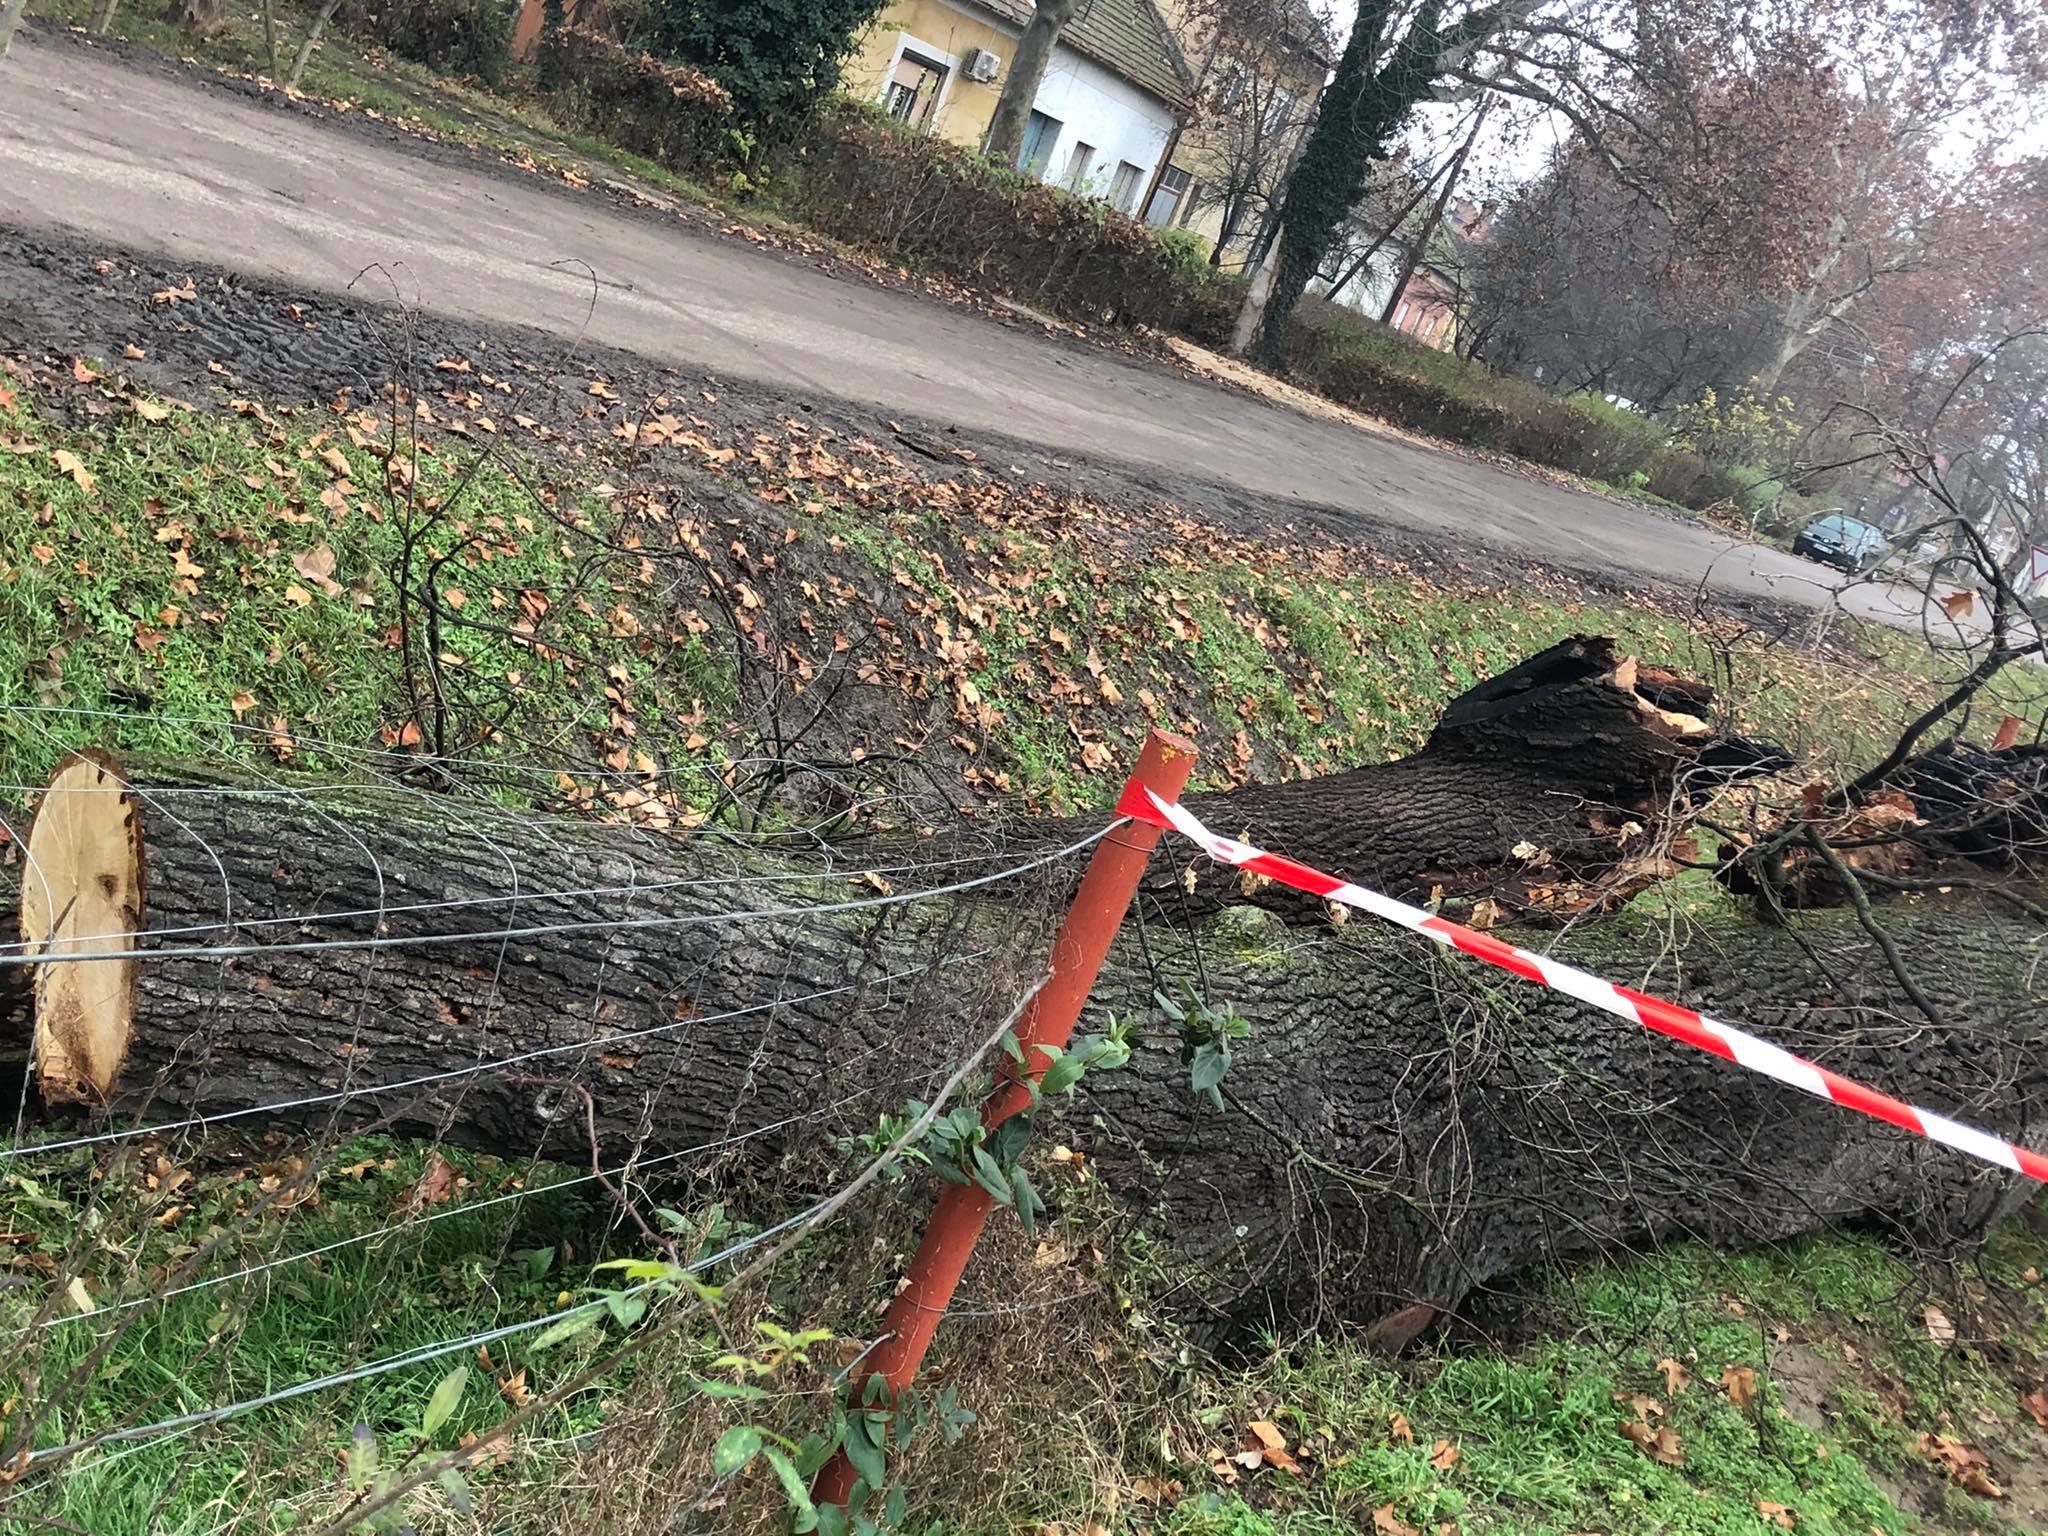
(202, 16)
(1403, 1125)
(270, 34)
(1377, 83)
(10, 22)
(1027, 69)
(104, 21)
(310, 42)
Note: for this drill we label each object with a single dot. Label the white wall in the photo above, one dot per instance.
(1097, 108)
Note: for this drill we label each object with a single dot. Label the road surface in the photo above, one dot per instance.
(96, 148)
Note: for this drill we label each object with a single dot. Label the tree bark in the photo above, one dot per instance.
(310, 43)
(104, 21)
(270, 35)
(1403, 1125)
(1027, 68)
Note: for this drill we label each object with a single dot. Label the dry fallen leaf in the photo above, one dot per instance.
(1397, 1428)
(242, 703)
(1740, 1383)
(1777, 1514)
(70, 464)
(1939, 1328)
(437, 1184)
(2036, 1403)
(149, 410)
(317, 566)
(1387, 1523)
(1675, 1376)
(515, 1390)
(1957, 605)
(1443, 1456)
(133, 353)
(1660, 1445)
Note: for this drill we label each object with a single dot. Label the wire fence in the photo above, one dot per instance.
(547, 1036)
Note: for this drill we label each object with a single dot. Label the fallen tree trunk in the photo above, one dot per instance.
(1402, 1125)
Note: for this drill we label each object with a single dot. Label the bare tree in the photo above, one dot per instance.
(1256, 67)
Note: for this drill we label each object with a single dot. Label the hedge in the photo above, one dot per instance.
(1357, 363)
(862, 179)
(667, 112)
(461, 37)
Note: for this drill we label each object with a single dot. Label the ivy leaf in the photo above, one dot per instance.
(1210, 1066)
(447, 1394)
(736, 1447)
(1024, 1199)
(626, 1310)
(453, 1485)
(362, 1458)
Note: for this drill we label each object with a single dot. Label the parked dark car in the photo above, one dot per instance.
(1842, 542)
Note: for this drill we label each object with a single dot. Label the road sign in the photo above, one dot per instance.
(2037, 566)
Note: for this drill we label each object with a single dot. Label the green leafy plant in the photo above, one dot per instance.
(370, 1475)
(1205, 1036)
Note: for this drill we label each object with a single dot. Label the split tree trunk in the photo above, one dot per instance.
(1403, 1124)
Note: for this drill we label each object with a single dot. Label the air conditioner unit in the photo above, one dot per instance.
(981, 65)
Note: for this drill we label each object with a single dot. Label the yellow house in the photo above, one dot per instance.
(1113, 101)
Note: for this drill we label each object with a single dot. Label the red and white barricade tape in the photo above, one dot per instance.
(1695, 1029)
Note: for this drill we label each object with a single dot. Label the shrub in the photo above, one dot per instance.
(1361, 364)
(668, 112)
(461, 37)
(780, 59)
(863, 179)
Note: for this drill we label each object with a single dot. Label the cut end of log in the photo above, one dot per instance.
(82, 893)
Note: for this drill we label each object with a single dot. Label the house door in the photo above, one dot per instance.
(1040, 135)
(913, 90)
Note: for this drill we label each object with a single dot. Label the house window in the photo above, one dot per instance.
(1125, 186)
(1078, 163)
(1401, 317)
(1040, 135)
(1280, 111)
(1167, 197)
(912, 92)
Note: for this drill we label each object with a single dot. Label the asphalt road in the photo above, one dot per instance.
(97, 148)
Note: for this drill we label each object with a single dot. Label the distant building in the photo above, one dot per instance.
(1255, 101)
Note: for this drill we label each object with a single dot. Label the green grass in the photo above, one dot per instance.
(156, 590)
(430, 1281)
(1536, 1430)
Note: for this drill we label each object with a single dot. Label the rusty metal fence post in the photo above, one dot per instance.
(962, 1210)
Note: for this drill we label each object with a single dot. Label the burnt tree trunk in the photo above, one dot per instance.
(1403, 1125)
